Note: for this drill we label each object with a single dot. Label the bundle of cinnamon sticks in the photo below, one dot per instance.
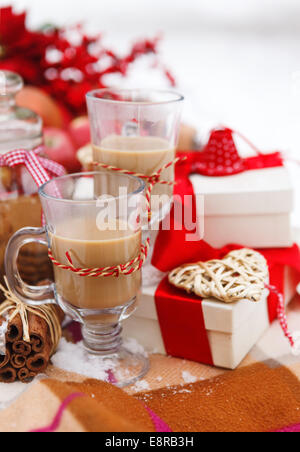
(24, 360)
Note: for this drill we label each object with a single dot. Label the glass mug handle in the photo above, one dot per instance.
(31, 295)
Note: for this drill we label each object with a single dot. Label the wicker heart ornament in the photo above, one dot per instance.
(242, 274)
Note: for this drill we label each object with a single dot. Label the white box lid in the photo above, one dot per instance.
(264, 191)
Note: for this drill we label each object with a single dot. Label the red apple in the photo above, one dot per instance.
(66, 115)
(41, 103)
(80, 131)
(60, 148)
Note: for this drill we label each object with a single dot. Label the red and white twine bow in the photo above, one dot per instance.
(136, 263)
(115, 270)
(40, 168)
(152, 179)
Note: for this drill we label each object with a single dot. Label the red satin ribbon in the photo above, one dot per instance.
(181, 315)
(182, 324)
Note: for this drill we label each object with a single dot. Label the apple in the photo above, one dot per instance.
(66, 115)
(60, 148)
(80, 131)
(52, 114)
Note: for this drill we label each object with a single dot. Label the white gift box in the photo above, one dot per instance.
(232, 329)
(252, 208)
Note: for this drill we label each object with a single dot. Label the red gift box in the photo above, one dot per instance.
(209, 331)
(170, 321)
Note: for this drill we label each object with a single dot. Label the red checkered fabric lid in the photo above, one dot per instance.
(41, 169)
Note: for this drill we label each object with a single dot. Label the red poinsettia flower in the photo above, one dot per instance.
(73, 70)
(12, 27)
(20, 49)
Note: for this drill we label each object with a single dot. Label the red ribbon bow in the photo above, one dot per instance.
(41, 169)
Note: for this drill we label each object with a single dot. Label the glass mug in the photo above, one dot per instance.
(96, 218)
(137, 130)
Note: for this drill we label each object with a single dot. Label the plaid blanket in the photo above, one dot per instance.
(262, 395)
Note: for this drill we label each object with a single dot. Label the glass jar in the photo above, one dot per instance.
(20, 128)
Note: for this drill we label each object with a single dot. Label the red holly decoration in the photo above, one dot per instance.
(48, 59)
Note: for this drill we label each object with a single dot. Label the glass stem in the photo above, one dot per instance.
(102, 339)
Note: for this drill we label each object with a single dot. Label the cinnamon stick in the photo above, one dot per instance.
(39, 332)
(14, 330)
(8, 374)
(25, 375)
(18, 361)
(38, 362)
(24, 360)
(41, 342)
(4, 359)
(21, 348)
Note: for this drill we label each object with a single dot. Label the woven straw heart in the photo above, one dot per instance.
(242, 274)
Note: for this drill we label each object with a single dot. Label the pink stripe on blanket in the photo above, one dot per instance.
(159, 424)
(292, 429)
(58, 417)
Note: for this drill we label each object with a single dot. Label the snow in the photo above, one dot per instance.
(188, 377)
(74, 358)
(141, 386)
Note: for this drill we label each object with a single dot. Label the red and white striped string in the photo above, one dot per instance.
(116, 270)
(152, 179)
(293, 338)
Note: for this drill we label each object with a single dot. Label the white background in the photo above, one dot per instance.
(236, 61)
